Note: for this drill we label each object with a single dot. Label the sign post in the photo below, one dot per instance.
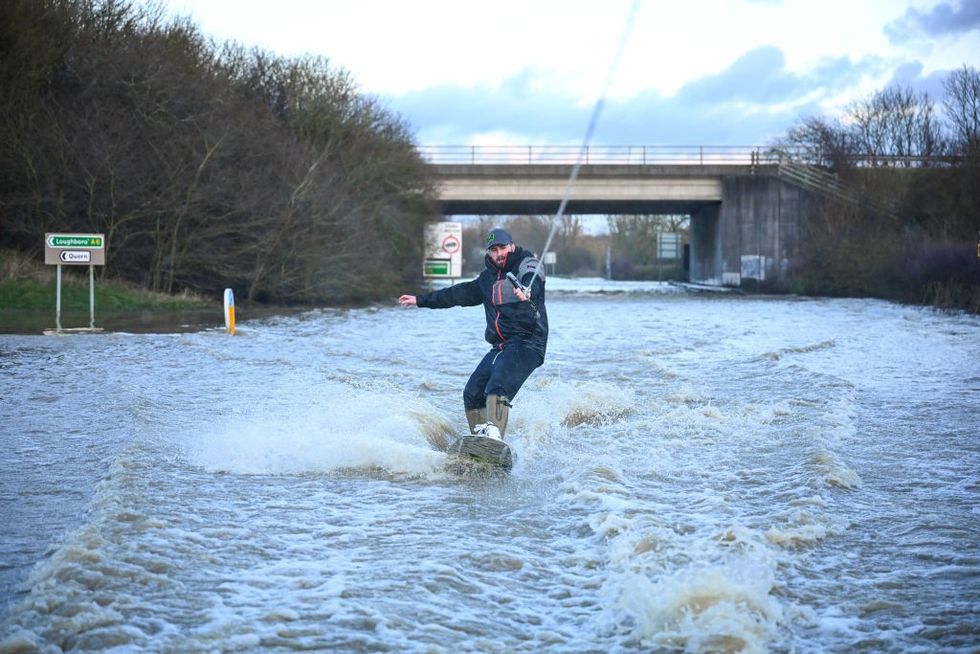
(75, 250)
(551, 259)
(443, 250)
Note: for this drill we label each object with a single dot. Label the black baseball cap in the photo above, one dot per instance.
(498, 236)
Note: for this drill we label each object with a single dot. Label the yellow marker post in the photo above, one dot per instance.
(230, 311)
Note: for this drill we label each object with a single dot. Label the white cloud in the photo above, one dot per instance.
(395, 47)
(500, 57)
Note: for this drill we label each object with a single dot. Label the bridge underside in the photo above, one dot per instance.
(581, 207)
(521, 189)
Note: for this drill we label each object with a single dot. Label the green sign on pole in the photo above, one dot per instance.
(90, 242)
(75, 250)
(436, 267)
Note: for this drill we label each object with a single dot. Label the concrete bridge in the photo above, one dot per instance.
(746, 213)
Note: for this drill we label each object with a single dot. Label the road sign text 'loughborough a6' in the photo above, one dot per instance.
(74, 249)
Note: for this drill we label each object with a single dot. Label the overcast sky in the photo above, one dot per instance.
(718, 72)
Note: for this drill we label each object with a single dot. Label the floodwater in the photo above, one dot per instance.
(693, 473)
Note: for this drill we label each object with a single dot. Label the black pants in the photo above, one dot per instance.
(501, 372)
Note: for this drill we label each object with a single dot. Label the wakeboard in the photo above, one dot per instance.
(480, 449)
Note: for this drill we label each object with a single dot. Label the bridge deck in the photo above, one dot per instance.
(606, 188)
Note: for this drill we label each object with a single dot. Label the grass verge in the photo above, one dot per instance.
(28, 284)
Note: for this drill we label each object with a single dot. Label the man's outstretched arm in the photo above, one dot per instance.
(465, 294)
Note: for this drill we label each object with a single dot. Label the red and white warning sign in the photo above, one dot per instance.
(451, 244)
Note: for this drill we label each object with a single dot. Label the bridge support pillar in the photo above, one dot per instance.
(753, 237)
(705, 245)
(759, 226)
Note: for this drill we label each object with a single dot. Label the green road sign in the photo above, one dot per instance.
(436, 267)
(76, 241)
(74, 249)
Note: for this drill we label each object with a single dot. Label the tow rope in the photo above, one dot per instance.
(593, 121)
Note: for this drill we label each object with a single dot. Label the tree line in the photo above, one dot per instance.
(914, 234)
(207, 165)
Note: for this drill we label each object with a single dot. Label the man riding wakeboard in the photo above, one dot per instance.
(517, 329)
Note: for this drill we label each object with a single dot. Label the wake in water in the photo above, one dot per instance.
(369, 426)
(342, 428)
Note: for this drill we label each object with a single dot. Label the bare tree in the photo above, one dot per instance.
(821, 141)
(962, 108)
(896, 126)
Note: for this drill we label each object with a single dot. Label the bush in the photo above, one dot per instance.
(946, 275)
(575, 260)
(667, 270)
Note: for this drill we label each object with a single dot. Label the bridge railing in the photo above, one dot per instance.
(599, 154)
(699, 155)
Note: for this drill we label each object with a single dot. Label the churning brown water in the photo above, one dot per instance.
(692, 474)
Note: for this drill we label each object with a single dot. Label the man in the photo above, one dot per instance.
(517, 328)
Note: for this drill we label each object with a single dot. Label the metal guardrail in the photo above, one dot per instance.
(820, 180)
(744, 155)
(814, 179)
(698, 155)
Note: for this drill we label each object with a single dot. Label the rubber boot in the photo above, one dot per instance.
(473, 418)
(498, 411)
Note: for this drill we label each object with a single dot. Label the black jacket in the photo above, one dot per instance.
(508, 319)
